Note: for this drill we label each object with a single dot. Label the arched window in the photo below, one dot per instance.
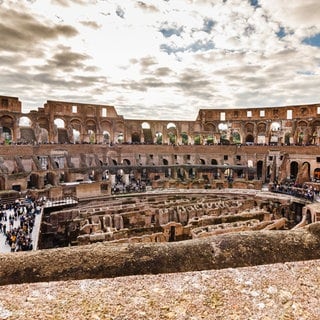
(236, 139)
(222, 126)
(184, 138)
(92, 136)
(135, 137)
(294, 167)
(25, 122)
(172, 132)
(172, 137)
(197, 139)
(59, 123)
(249, 139)
(120, 138)
(106, 136)
(158, 137)
(259, 169)
(210, 139)
(145, 125)
(171, 125)
(275, 126)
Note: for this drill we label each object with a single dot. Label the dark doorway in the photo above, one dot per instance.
(172, 235)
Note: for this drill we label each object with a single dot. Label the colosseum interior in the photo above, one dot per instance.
(107, 179)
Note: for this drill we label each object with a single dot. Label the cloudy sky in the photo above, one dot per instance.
(161, 59)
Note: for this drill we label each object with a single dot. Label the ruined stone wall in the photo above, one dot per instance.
(250, 124)
(76, 162)
(71, 160)
(113, 260)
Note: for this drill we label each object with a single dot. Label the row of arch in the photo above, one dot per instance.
(74, 131)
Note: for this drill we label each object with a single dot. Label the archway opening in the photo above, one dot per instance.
(316, 174)
(294, 168)
(259, 169)
(249, 139)
(135, 138)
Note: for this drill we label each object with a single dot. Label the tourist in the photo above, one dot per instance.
(17, 222)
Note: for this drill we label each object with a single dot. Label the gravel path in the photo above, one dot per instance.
(286, 291)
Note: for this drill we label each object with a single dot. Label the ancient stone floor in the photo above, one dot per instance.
(288, 291)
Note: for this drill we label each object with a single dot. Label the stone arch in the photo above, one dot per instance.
(302, 124)
(300, 139)
(181, 173)
(215, 171)
(41, 135)
(126, 162)
(222, 126)
(259, 169)
(61, 131)
(261, 128)
(316, 123)
(294, 168)
(74, 130)
(91, 130)
(210, 139)
(76, 136)
(7, 124)
(120, 138)
(27, 133)
(135, 137)
(249, 139)
(184, 138)
(25, 121)
(275, 126)
(60, 123)
(172, 133)
(287, 138)
(147, 133)
(314, 129)
(308, 216)
(223, 130)
(106, 136)
(44, 123)
(106, 126)
(34, 181)
(235, 137)
(209, 127)
(307, 165)
(50, 178)
(197, 139)
(145, 125)
(119, 132)
(249, 127)
(159, 137)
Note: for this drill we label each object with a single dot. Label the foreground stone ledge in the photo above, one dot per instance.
(107, 260)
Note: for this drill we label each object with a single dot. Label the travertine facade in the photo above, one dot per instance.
(68, 142)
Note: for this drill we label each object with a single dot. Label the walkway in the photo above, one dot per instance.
(4, 248)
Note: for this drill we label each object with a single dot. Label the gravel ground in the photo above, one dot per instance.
(281, 291)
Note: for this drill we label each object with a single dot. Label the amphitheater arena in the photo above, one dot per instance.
(215, 218)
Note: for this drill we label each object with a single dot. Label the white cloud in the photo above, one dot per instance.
(151, 57)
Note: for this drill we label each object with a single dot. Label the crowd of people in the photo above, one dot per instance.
(17, 221)
(301, 191)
